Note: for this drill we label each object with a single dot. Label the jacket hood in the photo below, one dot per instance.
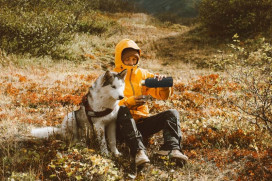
(123, 44)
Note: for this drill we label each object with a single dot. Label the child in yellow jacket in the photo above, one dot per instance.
(134, 121)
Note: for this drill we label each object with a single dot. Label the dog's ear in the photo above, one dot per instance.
(107, 78)
(123, 74)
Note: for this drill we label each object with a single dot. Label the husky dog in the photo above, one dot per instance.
(97, 113)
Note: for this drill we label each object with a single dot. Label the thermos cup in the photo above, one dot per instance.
(154, 82)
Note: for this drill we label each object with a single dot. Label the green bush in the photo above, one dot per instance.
(34, 33)
(92, 23)
(227, 17)
(54, 5)
(42, 27)
(115, 5)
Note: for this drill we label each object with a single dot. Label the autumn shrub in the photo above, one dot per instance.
(212, 137)
(252, 70)
(227, 17)
(254, 98)
(255, 52)
(258, 166)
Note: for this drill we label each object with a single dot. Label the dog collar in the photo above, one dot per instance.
(90, 112)
(100, 113)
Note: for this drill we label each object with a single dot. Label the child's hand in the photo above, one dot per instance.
(159, 77)
(140, 100)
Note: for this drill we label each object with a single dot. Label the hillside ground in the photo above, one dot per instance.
(220, 143)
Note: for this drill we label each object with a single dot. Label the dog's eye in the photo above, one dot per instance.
(114, 87)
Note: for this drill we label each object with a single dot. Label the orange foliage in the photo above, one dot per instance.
(205, 83)
(200, 98)
(21, 78)
(204, 97)
(70, 99)
(11, 90)
(211, 137)
(180, 86)
(196, 99)
(36, 97)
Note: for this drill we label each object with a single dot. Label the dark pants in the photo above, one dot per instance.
(133, 134)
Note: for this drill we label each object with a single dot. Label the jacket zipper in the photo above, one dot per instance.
(131, 82)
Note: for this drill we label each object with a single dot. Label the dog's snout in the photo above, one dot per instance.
(121, 97)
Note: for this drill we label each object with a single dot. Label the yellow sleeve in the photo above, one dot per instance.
(161, 93)
(129, 102)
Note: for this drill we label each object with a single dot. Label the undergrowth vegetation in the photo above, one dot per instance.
(225, 110)
(210, 123)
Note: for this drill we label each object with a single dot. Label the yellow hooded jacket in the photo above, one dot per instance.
(133, 87)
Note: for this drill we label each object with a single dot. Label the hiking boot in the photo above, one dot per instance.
(141, 158)
(173, 154)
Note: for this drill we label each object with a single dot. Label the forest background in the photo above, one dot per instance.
(218, 52)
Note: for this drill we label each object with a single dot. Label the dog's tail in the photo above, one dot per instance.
(45, 132)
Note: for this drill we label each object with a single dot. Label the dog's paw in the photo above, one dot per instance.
(117, 153)
(105, 152)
